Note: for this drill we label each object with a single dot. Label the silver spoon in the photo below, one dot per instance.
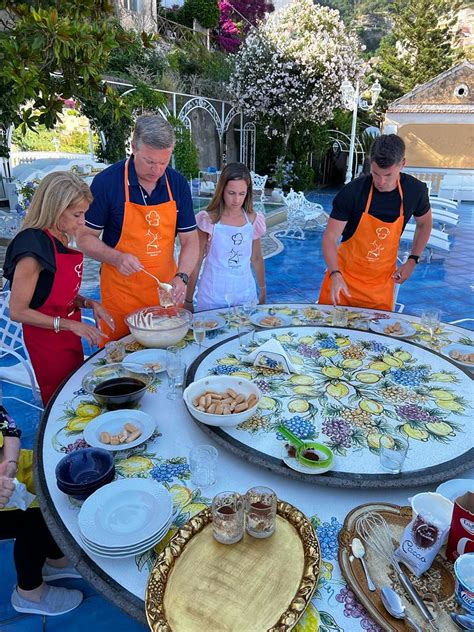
(393, 604)
(164, 290)
(167, 287)
(463, 621)
(358, 550)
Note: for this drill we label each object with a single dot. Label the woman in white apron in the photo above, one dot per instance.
(229, 243)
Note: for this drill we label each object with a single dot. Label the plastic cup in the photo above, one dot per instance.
(464, 585)
(203, 465)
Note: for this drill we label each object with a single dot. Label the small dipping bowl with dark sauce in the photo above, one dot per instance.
(118, 385)
(312, 454)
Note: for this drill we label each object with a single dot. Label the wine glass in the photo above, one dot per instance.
(430, 321)
(199, 331)
(174, 366)
(229, 294)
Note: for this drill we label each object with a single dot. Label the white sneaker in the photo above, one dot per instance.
(55, 601)
(50, 573)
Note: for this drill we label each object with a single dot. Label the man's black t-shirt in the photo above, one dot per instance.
(349, 204)
(33, 242)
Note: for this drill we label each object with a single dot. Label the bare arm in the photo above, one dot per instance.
(193, 277)
(25, 279)
(9, 456)
(258, 265)
(331, 237)
(89, 241)
(420, 239)
(188, 258)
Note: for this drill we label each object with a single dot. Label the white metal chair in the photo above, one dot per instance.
(301, 212)
(11, 344)
(258, 184)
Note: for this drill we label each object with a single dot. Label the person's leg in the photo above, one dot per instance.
(33, 543)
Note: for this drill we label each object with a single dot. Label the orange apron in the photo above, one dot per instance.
(148, 232)
(367, 261)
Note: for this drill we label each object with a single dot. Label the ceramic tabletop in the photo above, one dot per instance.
(410, 394)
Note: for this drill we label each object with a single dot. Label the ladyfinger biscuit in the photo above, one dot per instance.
(251, 400)
(133, 436)
(129, 427)
(105, 437)
(241, 407)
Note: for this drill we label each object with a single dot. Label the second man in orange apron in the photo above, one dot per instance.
(141, 204)
(370, 213)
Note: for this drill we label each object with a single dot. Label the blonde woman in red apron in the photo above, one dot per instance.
(45, 275)
(229, 235)
(362, 270)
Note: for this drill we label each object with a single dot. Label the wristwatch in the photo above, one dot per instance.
(183, 276)
(415, 258)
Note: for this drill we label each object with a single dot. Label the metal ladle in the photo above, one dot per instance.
(393, 604)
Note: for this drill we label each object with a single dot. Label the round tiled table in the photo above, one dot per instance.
(423, 395)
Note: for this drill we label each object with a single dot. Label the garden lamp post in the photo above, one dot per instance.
(352, 100)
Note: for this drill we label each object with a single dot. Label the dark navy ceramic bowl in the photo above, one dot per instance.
(84, 468)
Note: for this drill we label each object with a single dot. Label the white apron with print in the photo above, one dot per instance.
(227, 267)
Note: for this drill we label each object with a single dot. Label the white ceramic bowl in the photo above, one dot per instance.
(220, 383)
(159, 327)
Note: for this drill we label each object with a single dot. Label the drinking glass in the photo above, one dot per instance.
(260, 509)
(249, 305)
(228, 517)
(114, 351)
(174, 368)
(430, 321)
(202, 462)
(199, 331)
(229, 297)
(392, 453)
(339, 317)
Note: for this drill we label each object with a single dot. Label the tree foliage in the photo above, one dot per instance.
(420, 46)
(290, 68)
(50, 51)
(206, 12)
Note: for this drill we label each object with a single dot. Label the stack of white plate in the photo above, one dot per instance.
(125, 518)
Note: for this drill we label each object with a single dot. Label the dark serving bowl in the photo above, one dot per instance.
(84, 468)
(81, 493)
(118, 385)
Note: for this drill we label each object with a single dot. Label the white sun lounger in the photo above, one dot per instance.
(438, 240)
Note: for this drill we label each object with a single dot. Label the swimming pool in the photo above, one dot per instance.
(200, 203)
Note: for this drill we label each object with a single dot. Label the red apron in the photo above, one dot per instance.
(367, 261)
(148, 232)
(55, 355)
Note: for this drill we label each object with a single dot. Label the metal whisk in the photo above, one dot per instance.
(374, 530)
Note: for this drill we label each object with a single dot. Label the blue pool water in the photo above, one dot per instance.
(200, 203)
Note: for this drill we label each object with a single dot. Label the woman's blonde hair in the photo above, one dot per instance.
(55, 193)
(233, 171)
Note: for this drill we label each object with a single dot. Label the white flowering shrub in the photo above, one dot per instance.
(291, 66)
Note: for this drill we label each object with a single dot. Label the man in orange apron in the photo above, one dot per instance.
(370, 213)
(139, 206)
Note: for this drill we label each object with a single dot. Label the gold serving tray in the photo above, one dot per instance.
(198, 584)
(438, 579)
